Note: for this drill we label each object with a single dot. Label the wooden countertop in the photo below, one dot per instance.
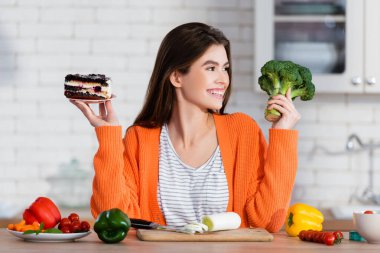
(91, 243)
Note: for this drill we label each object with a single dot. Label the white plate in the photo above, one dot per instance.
(47, 237)
(93, 101)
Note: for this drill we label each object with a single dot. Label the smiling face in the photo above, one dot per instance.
(206, 81)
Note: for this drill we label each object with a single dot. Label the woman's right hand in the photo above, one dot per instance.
(106, 117)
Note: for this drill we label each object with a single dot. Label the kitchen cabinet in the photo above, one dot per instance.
(339, 40)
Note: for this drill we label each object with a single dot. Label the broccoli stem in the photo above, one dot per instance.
(276, 83)
(297, 93)
(285, 87)
(272, 115)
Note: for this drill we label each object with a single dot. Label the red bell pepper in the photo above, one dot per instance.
(42, 210)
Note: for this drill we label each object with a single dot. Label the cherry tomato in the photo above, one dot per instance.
(319, 237)
(75, 227)
(65, 229)
(64, 222)
(329, 239)
(368, 212)
(73, 217)
(84, 226)
(309, 236)
(338, 236)
(304, 235)
(301, 235)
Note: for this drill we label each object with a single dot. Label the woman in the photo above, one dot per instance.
(184, 157)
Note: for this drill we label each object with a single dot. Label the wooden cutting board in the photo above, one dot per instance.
(237, 235)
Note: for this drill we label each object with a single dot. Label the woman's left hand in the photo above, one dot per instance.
(289, 115)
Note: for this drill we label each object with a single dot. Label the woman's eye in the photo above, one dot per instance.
(212, 68)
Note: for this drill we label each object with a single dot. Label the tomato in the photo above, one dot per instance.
(301, 235)
(310, 236)
(368, 212)
(338, 236)
(65, 222)
(65, 229)
(73, 217)
(329, 239)
(319, 237)
(84, 226)
(75, 227)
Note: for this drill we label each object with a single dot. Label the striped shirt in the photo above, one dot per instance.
(185, 193)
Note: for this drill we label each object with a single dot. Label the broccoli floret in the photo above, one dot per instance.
(271, 70)
(306, 89)
(278, 76)
(289, 76)
(266, 85)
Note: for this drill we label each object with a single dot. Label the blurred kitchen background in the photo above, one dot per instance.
(47, 145)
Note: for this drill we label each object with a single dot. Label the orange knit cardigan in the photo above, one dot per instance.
(260, 177)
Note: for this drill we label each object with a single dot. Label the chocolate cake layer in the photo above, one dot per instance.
(97, 78)
(81, 95)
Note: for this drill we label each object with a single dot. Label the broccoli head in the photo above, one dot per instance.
(278, 76)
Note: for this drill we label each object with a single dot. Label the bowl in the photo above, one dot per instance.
(368, 225)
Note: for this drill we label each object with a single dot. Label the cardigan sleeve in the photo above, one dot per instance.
(116, 172)
(272, 178)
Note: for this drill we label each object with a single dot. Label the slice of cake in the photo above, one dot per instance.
(92, 86)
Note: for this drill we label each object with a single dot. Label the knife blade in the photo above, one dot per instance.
(145, 224)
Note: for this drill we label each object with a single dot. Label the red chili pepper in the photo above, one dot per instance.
(42, 210)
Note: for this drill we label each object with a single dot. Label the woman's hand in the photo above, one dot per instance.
(107, 115)
(289, 115)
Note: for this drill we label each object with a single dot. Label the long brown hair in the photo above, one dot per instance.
(179, 49)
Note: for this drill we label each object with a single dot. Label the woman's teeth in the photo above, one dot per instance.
(215, 93)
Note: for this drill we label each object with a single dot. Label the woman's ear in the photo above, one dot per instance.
(175, 79)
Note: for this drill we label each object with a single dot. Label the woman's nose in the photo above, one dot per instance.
(223, 77)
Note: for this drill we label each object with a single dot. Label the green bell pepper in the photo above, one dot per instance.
(112, 226)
